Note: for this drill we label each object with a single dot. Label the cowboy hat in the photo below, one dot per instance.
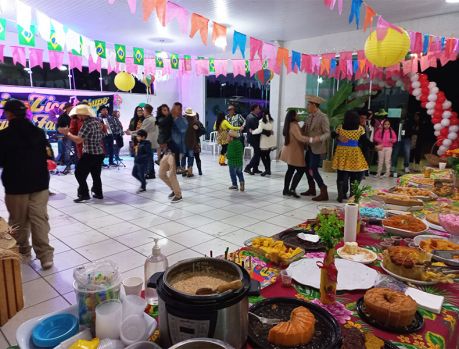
(189, 112)
(315, 99)
(381, 112)
(83, 109)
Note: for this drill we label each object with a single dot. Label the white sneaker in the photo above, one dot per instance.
(407, 170)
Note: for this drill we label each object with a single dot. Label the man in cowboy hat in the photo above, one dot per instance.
(91, 135)
(25, 177)
(317, 128)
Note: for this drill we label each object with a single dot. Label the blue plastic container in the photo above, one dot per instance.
(55, 329)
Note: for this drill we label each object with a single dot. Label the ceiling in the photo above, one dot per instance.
(269, 20)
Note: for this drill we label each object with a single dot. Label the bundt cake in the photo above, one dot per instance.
(389, 307)
(298, 330)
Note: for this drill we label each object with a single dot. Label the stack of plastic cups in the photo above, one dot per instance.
(134, 327)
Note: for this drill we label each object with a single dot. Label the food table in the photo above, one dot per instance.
(440, 331)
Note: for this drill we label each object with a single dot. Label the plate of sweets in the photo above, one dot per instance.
(404, 225)
(352, 252)
(415, 193)
(275, 250)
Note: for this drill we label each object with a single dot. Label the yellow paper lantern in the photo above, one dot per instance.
(124, 81)
(388, 51)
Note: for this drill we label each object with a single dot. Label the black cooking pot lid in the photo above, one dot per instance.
(327, 332)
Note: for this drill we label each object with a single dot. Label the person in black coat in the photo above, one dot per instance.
(143, 155)
(25, 177)
(251, 124)
(165, 122)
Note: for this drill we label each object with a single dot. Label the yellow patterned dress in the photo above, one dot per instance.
(348, 155)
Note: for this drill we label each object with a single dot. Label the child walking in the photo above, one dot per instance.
(385, 138)
(143, 154)
(234, 154)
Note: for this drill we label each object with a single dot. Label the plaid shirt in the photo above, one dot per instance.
(235, 153)
(236, 120)
(115, 125)
(92, 135)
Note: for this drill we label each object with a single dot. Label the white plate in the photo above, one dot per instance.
(308, 237)
(402, 278)
(358, 257)
(404, 233)
(434, 226)
(351, 275)
(24, 331)
(402, 208)
(417, 240)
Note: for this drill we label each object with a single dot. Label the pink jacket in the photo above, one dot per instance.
(386, 138)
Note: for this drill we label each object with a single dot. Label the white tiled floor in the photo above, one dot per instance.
(122, 226)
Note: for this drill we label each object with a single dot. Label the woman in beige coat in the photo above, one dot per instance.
(293, 153)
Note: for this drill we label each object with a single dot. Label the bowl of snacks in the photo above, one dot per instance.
(450, 222)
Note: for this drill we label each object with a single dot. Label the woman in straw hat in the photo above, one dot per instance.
(91, 136)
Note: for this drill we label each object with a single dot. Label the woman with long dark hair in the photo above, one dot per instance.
(349, 159)
(164, 122)
(293, 153)
(222, 126)
(134, 125)
(268, 141)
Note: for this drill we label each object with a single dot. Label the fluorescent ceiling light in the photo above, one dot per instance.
(62, 68)
(221, 42)
(452, 1)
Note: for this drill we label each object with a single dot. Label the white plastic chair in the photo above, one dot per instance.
(249, 148)
(211, 143)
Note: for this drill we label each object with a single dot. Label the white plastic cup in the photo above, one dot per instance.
(133, 285)
(108, 319)
(133, 305)
(108, 343)
(133, 329)
(442, 165)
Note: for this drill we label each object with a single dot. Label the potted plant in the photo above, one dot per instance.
(330, 231)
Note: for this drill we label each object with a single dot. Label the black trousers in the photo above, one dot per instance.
(109, 149)
(119, 144)
(293, 177)
(255, 161)
(224, 149)
(265, 156)
(89, 164)
(345, 179)
(197, 158)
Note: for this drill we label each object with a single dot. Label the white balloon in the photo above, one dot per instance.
(442, 148)
(446, 114)
(446, 104)
(441, 152)
(432, 84)
(430, 111)
(447, 142)
(432, 97)
(434, 90)
(415, 84)
(437, 133)
(452, 135)
(414, 77)
(417, 92)
(445, 122)
(454, 128)
(430, 105)
(418, 98)
(438, 127)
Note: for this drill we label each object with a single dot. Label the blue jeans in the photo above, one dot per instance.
(138, 172)
(187, 157)
(235, 173)
(64, 146)
(312, 167)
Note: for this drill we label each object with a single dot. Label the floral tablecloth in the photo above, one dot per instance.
(440, 331)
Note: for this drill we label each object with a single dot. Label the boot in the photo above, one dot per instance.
(242, 186)
(341, 195)
(312, 188)
(221, 160)
(323, 196)
(190, 172)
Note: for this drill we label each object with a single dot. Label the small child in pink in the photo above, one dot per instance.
(385, 138)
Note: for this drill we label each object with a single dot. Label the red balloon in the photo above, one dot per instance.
(444, 131)
(423, 98)
(423, 104)
(453, 121)
(424, 90)
(453, 115)
(437, 114)
(441, 99)
(454, 145)
(436, 120)
(423, 77)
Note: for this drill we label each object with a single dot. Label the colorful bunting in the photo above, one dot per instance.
(2, 57)
(35, 57)
(202, 67)
(94, 65)
(100, 48)
(296, 61)
(159, 61)
(18, 55)
(239, 41)
(355, 12)
(174, 61)
(425, 45)
(201, 24)
(56, 58)
(53, 44)
(2, 28)
(26, 37)
(220, 67)
(247, 66)
(131, 67)
(239, 67)
(139, 56)
(219, 35)
(256, 47)
(120, 51)
(23, 15)
(211, 65)
(174, 11)
(132, 5)
(282, 56)
(43, 24)
(383, 26)
(159, 6)
(255, 66)
(76, 62)
(187, 62)
(369, 15)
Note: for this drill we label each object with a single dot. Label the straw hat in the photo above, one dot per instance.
(315, 99)
(189, 112)
(83, 109)
(381, 112)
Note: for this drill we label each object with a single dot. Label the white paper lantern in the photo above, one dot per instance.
(432, 97)
(438, 127)
(446, 114)
(415, 84)
(452, 136)
(432, 84)
(447, 142)
(430, 105)
(417, 92)
(434, 90)
(445, 122)
(446, 105)
(454, 128)
(437, 133)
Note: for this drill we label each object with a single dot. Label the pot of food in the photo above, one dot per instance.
(219, 313)
(202, 343)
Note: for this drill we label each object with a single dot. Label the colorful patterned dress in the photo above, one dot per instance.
(348, 155)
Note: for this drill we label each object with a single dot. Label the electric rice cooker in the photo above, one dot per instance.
(221, 316)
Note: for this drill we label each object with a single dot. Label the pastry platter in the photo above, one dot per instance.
(407, 280)
(362, 255)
